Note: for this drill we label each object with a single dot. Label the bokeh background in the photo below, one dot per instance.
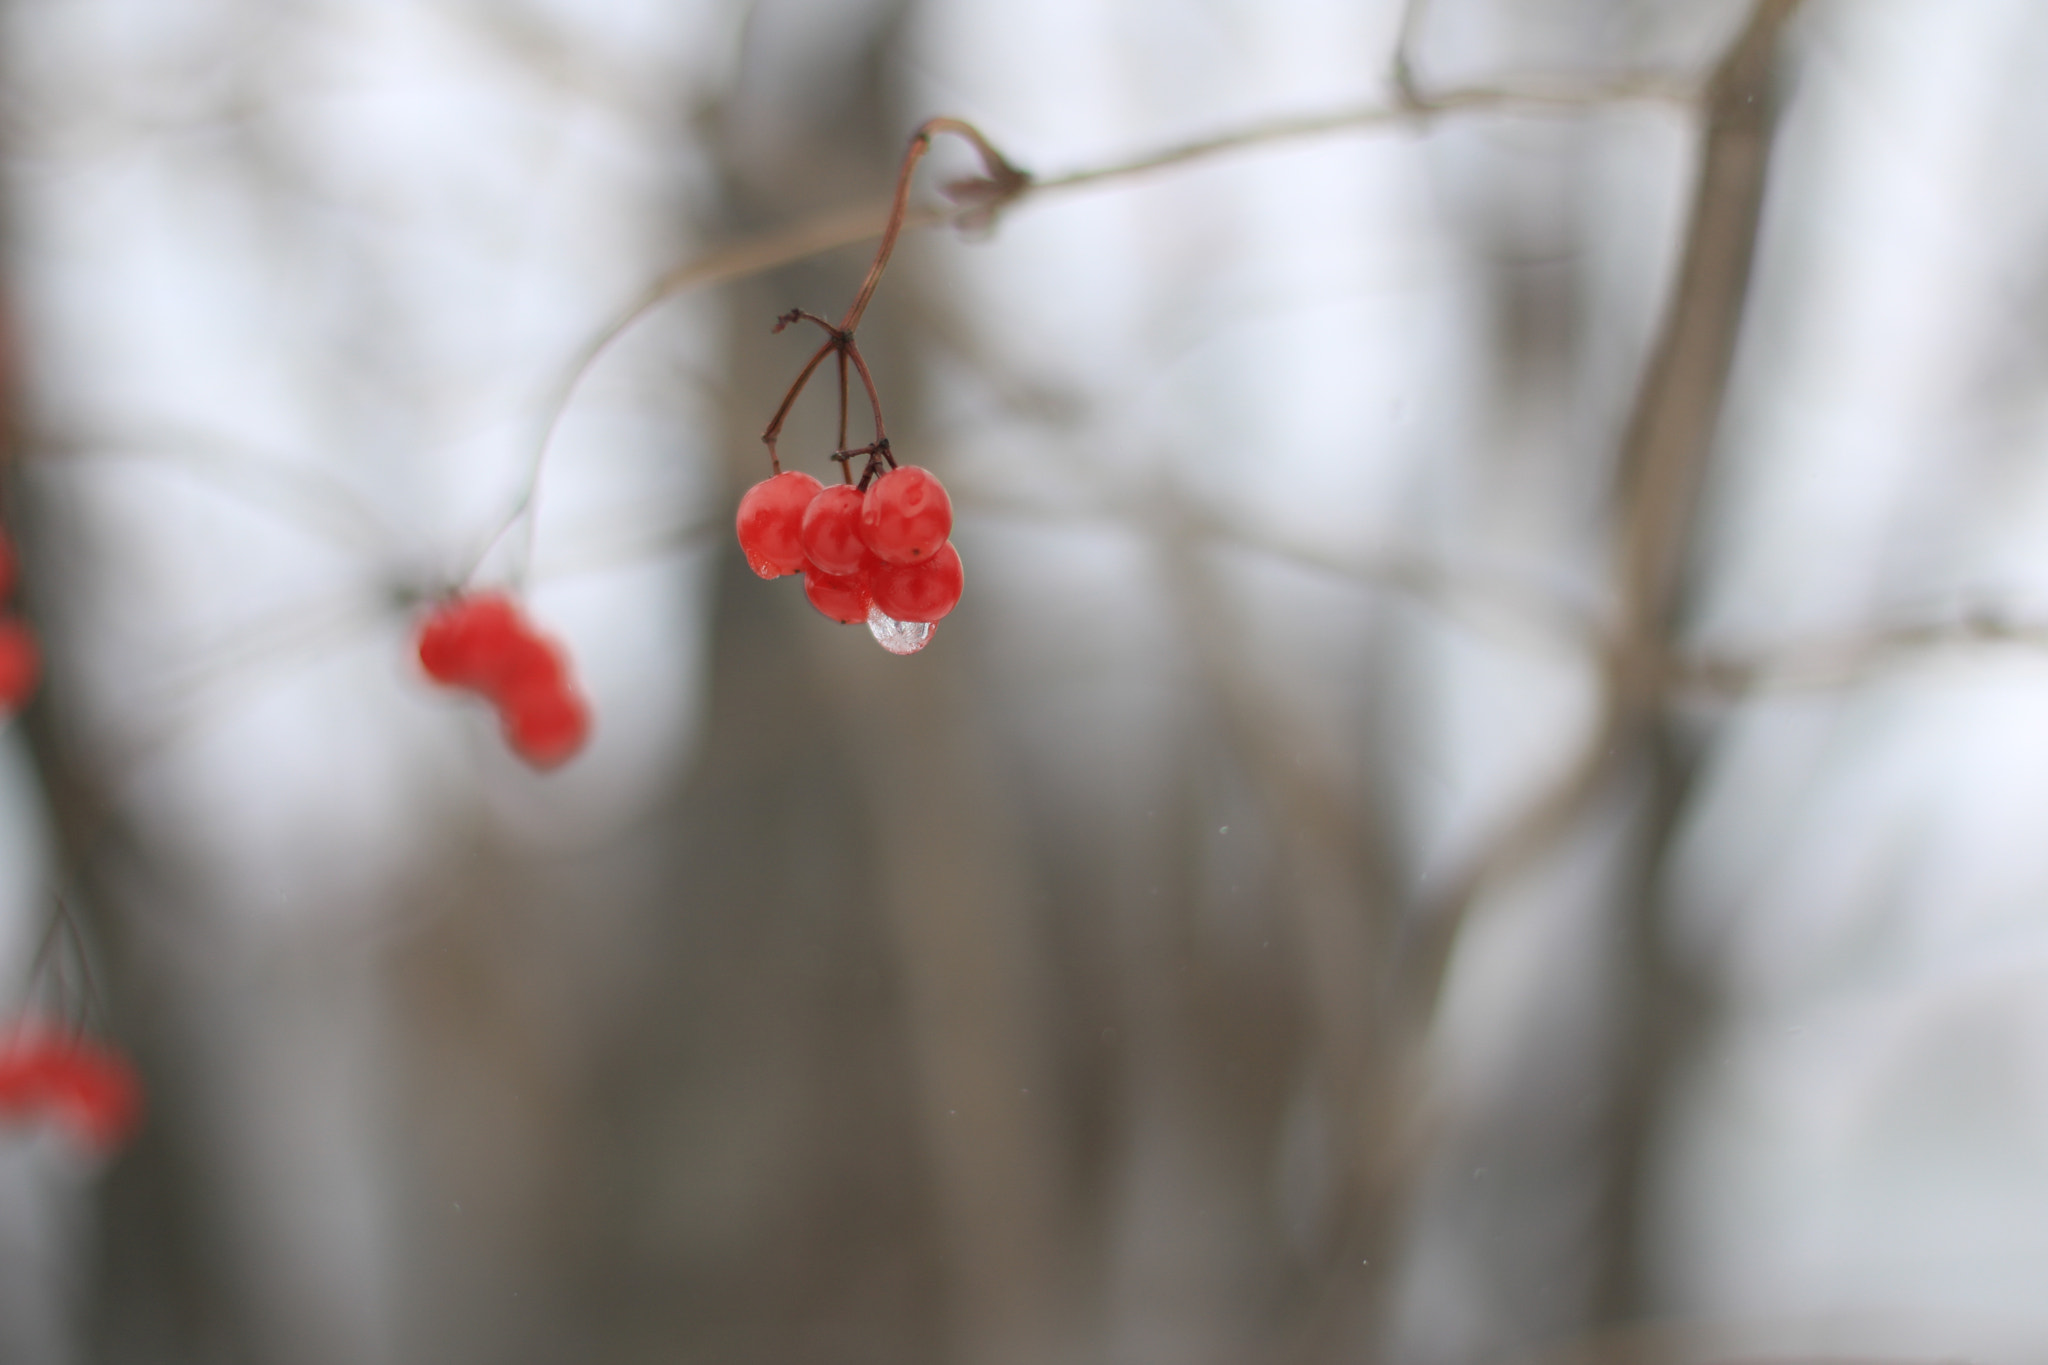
(1349, 884)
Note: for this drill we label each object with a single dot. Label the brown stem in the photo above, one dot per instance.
(789, 401)
(838, 341)
(1662, 462)
(1665, 459)
(842, 398)
(848, 350)
(1004, 181)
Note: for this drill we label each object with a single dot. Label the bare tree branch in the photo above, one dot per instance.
(1847, 659)
(977, 202)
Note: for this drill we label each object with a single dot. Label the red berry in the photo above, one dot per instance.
(906, 515)
(484, 644)
(770, 522)
(527, 663)
(97, 1098)
(21, 664)
(843, 597)
(463, 642)
(831, 533)
(89, 1089)
(546, 726)
(924, 591)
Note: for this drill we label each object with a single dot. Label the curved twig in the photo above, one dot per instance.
(977, 202)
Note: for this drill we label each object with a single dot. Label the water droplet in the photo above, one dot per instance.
(898, 637)
(1223, 829)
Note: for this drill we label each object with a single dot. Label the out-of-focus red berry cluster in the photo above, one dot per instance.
(21, 663)
(886, 550)
(85, 1088)
(482, 643)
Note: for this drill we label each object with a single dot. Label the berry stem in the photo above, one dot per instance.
(1004, 181)
(852, 352)
(60, 934)
(839, 341)
(1000, 173)
(842, 399)
(789, 399)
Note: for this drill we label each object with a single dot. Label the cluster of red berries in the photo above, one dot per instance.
(882, 556)
(21, 663)
(483, 644)
(87, 1089)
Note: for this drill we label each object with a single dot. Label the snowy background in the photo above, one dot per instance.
(1024, 1000)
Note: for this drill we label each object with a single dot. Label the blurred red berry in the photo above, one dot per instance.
(526, 663)
(770, 522)
(464, 641)
(88, 1089)
(484, 644)
(924, 591)
(831, 530)
(843, 597)
(21, 664)
(546, 726)
(906, 515)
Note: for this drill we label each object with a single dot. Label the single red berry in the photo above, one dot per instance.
(21, 664)
(464, 641)
(770, 522)
(843, 597)
(97, 1098)
(526, 663)
(924, 591)
(24, 1069)
(546, 726)
(831, 533)
(87, 1088)
(906, 515)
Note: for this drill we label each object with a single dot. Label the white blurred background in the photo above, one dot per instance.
(1247, 933)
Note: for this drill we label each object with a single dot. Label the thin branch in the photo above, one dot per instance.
(89, 1003)
(842, 407)
(740, 260)
(603, 546)
(45, 946)
(212, 674)
(1404, 53)
(1524, 837)
(1847, 659)
(1003, 183)
(1663, 460)
(1669, 441)
(309, 497)
(789, 401)
(1373, 117)
(976, 203)
(1451, 587)
(867, 380)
